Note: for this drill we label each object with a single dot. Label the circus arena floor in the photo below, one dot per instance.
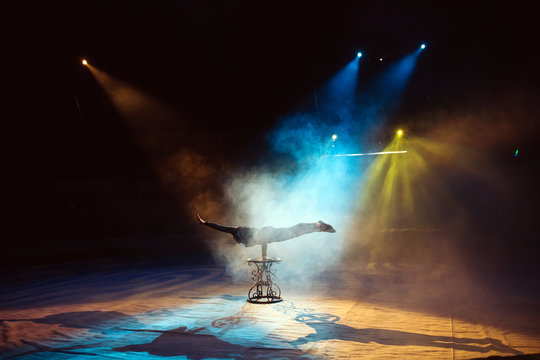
(200, 312)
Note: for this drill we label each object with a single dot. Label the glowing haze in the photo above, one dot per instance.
(425, 207)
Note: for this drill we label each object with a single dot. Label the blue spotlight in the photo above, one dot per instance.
(342, 86)
(423, 46)
(391, 83)
(359, 54)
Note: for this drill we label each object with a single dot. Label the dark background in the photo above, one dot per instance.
(77, 187)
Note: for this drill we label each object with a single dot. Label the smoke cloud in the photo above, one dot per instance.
(447, 206)
(302, 182)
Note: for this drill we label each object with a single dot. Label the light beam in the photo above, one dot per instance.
(373, 153)
(342, 86)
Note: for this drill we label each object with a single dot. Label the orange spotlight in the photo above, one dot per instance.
(84, 62)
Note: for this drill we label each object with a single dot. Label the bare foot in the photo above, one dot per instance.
(324, 227)
(200, 220)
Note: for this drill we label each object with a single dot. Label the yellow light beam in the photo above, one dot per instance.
(374, 153)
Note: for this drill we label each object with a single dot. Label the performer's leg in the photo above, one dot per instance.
(222, 228)
(242, 235)
(270, 234)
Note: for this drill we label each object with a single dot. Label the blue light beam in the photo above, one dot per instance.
(391, 84)
(342, 86)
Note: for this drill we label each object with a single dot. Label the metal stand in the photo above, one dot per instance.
(264, 290)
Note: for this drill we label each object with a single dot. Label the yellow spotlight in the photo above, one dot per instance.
(399, 132)
(84, 62)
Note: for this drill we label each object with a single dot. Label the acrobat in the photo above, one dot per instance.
(249, 236)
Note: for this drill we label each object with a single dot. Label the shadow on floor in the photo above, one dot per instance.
(177, 342)
(94, 321)
(197, 346)
(327, 328)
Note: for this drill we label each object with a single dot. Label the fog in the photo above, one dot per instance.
(459, 202)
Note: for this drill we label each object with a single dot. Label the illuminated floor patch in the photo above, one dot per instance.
(200, 312)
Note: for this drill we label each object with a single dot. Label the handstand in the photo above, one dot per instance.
(262, 236)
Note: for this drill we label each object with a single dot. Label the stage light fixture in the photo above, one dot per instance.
(399, 132)
(334, 137)
(423, 46)
(84, 62)
(359, 54)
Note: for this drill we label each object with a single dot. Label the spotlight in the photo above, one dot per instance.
(423, 46)
(84, 62)
(380, 59)
(359, 54)
(399, 132)
(334, 137)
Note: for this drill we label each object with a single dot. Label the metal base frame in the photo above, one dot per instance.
(264, 290)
